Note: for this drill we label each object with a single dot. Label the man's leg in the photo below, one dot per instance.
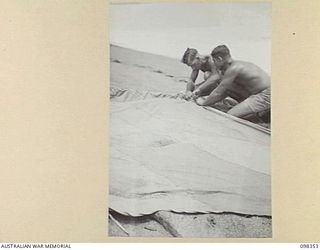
(252, 105)
(240, 110)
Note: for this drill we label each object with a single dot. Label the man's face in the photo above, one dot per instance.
(195, 63)
(218, 61)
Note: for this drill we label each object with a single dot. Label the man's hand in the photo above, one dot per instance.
(200, 101)
(196, 93)
(188, 95)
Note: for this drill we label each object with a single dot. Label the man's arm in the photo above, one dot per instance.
(220, 92)
(191, 82)
(211, 82)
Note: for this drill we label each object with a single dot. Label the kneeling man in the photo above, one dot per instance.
(198, 63)
(243, 81)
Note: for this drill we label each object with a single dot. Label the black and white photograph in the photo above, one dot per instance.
(190, 120)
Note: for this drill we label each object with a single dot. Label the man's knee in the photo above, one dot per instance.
(240, 110)
(233, 112)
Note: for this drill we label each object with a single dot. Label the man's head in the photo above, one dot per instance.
(220, 55)
(191, 58)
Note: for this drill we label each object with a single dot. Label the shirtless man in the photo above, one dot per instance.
(243, 81)
(198, 62)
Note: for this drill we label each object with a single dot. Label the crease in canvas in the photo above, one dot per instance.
(171, 154)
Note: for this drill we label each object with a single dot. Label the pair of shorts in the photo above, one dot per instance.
(260, 101)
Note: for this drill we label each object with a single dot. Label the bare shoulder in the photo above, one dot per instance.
(235, 68)
(248, 65)
(238, 65)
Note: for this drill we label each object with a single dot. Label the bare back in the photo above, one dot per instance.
(249, 77)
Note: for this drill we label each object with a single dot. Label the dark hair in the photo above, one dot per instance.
(221, 50)
(190, 52)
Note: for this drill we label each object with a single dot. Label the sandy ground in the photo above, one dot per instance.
(170, 224)
(146, 72)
